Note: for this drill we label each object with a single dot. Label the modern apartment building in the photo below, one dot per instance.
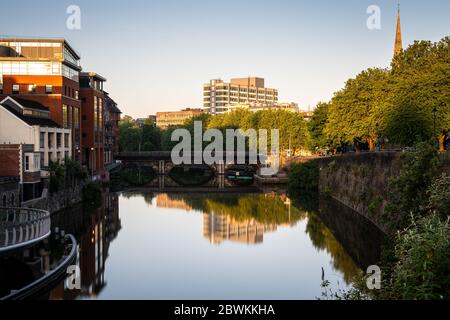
(218, 95)
(176, 118)
(45, 71)
(93, 124)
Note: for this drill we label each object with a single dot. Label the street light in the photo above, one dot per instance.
(92, 162)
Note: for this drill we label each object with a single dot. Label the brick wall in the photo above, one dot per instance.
(10, 160)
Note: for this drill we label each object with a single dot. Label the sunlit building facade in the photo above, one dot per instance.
(218, 95)
(176, 118)
(45, 71)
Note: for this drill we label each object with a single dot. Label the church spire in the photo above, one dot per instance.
(398, 37)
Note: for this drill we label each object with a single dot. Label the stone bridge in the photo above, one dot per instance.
(161, 161)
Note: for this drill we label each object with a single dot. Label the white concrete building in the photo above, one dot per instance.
(28, 122)
(218, 95)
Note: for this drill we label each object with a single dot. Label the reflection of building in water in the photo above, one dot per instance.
(163, 200)
(219, 228)
(104, 226)
(101, 228)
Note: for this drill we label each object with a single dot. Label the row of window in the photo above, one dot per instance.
(71, 92)
(50, 140)
(30, 88)
(241, 89)
(52, 157)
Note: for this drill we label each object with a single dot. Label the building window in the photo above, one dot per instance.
(4, 201)
(1, 88)
(37, 162)
(27, 163)
(66, 154)
(31, 88)
(48, 89)
(58, 140)
(65, 116)
(15, 89)
(42, 140)
(66, 140)
(13, 199)
(50, 140)
(50, 157)
(42, 158)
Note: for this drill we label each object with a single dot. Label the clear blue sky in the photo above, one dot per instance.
(156, 55)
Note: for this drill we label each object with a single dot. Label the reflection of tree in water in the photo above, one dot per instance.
(353, 241)
(323, 239)
(263, 208)
(147, 196)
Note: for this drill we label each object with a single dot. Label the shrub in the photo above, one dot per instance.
(92, 194)
(423, 253)
(439, 196)
(408, 191)
(304, 177)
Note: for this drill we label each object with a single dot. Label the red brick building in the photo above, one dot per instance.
(93, 125)
(45, 71)
(112, 118)
(20, 161)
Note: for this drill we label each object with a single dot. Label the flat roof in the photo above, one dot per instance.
(40, 39)
(92, 75)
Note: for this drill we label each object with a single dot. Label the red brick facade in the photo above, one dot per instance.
(10, 160)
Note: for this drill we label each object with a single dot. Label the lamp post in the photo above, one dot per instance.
(92, 162)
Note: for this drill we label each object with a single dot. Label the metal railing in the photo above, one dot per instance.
(21, 227)
(47, 282)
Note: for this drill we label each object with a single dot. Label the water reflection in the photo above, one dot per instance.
(161, 252)
(94, 230)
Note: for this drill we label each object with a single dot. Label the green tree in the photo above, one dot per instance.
(422, 82)
(316, 126)
(357, 112)
(129, 135)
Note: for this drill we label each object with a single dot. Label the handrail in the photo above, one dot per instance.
(22, 227)
(48, 281)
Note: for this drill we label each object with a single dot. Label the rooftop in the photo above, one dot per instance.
(39, 40)
(16, 107)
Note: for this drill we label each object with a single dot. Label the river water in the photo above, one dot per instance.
(141, 245)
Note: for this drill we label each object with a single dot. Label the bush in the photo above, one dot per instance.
(423, 253)
(65, 175)
(408, 191)
(304, 177)
(92, 194)
(439, 196)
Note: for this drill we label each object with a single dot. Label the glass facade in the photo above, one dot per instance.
(70, 73)
(65, 116)
(76, 126)
(30, 68)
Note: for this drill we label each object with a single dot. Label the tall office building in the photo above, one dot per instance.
(219, 95)
(45, 71)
